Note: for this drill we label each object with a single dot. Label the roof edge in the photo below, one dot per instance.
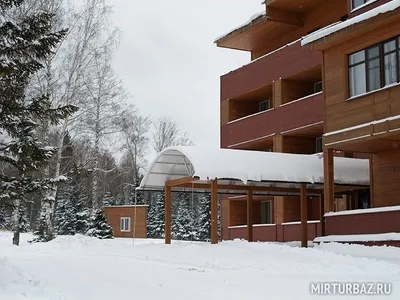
(340, 26)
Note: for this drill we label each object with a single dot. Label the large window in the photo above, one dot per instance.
(125, 224)
(375, 67)
(357, 3)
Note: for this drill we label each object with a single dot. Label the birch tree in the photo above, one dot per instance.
(167, 134)
(133, 128)
(105, 96)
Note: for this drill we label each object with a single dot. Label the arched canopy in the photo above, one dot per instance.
(253, 168)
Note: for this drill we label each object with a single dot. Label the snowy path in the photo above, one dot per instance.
(85, 268)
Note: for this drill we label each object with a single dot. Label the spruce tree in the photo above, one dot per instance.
(3, 218)
(99, 226)
(203, 230)
(65, 212)
(108, 199)
(24, 46)
(155, 216)
(82, 214)
(183, 227)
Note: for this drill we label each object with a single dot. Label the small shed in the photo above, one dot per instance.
(122, 220)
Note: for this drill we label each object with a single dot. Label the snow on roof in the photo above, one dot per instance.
(248, 166)
(252, 19)
(384, 8)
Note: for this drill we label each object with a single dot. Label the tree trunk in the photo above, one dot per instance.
(95, 203)
(15, 222)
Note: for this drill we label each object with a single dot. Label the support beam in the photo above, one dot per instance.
(214, 214)
(250, 216)
(329, 189)
(303, 209)
(180, 181)
(284, 16)
(233, 187)
(167, 215)
(321, 214)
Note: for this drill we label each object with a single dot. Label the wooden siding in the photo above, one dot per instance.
(341, 114)
(371, 223)
(284, 63)
(372, 5)
(225, 215)
(115, 213)
(288, 117)
(238, 212)
(299, 145)
(330, 11)
(386, 178)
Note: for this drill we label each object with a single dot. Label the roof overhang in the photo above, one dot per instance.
(238, 171)
(343, 31)
(261, 29)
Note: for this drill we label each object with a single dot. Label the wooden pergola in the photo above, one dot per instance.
(185, 169)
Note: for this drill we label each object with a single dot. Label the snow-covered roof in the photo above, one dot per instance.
(249, 167)
(384, 8)
(254, 17)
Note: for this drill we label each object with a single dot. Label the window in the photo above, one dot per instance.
(357, 3)
(318, 145)
(266, 212)
(373, 68)
(125, 224)
(264, 105)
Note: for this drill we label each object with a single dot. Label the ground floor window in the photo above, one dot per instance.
(266, 212)
(125, 224)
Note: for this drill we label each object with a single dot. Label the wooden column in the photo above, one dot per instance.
(303, 208)
(214, 214)
(167, 215)
(371, 180)
(321, 214)
(329, 188)
(250, 216)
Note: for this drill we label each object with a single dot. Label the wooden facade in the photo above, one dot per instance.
(368, 122)
(136, 229)
(285, 73)
(282, 71)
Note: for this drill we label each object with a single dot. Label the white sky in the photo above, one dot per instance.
(169, 62)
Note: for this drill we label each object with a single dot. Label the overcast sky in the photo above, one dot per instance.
(169, 62)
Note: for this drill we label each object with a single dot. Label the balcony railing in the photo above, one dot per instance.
(283, 63)
(307, 111)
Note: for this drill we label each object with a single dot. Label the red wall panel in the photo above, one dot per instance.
(284, 63)
(297, 114)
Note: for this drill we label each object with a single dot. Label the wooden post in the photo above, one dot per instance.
(214, 215)
(371, 180)
(250, 216)
(303, 209)
(329, 185)
(167, 215)
(321, 214)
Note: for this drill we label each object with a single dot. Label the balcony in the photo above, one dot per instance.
(285, 62)
(296, 6)
(256, 131)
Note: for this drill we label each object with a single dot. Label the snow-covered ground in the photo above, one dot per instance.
(87, 268)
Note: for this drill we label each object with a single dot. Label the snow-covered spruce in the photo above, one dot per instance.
(25, 44)
(99, 226)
